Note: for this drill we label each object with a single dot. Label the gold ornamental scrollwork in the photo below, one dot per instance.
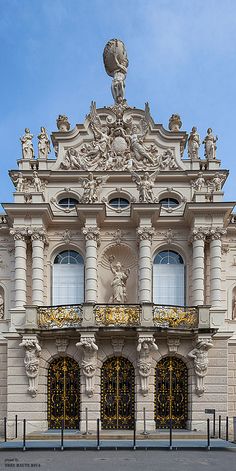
(59, 316)
(175, 317)
(117, 315)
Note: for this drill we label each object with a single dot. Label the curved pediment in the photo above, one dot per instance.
(118, 138)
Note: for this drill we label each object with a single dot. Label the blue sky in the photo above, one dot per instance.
(181, 59)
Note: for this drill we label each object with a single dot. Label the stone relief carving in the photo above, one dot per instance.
(175, 123)
(145, 233)
(193, 144)
(31, 361)
(119, 281)
(91, 187)
(117, 236)
(1, 306)
(37, 183)
(145, 184)
(210, 145)
(27, 145)
(116, 64)
(62, 123)
(43, 144)
(91, 233)
(145, 347)
(215, 184)
(199, 183)
(117, 344)
(200, 359)
(89, 362)
(118, 144)
(62, 344)
(173, 345)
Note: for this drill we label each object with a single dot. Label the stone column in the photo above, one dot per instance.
(38, 240)
(215, 266)
(91, 235)
(198, 241)
(145, 264)
(20, 267)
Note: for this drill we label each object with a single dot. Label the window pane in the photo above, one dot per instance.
(169, 284)
(169, 202)
(119, 203)
(68, 284)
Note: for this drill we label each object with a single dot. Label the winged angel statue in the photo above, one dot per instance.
(145, 184)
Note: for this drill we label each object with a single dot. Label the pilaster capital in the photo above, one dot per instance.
(145, 233)
(91, 233)
(217, 233)
(19, 233)
(199, 233)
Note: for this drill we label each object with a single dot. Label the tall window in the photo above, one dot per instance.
(68, 278)
(169, 278)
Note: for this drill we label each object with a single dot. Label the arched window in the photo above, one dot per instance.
(68, 278)
(68, 203)
(119, 203)
(169, 279)
(169, 203)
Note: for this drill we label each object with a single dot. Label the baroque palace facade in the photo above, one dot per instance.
(117, 274)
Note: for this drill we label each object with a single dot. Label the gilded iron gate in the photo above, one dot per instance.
(117, 398)
(171, 399)
(63, 393)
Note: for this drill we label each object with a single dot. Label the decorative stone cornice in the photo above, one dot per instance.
(145, 233)
(91, 233)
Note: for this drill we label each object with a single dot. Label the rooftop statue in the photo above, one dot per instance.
(210, 145)
(27, 145)
(116, 63)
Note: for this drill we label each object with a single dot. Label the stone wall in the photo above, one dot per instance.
(3, 383)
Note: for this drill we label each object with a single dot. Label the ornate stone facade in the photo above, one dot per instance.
(117, 248)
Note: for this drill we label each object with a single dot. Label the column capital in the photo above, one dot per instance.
(19, 233)
(217, 233)
(145, 233)
(38, 233)
(91, 233)
(199, 233)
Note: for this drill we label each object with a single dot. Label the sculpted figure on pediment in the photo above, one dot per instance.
(43, 144)
(91, 188)
(193, 144)
(166, 160)
(199, 183)
(116, 64)
(27, 145)
(145, 184)
(73, 160)
(210, 145)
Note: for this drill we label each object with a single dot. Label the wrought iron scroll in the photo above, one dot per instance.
(175, 317)
(118, 315)
(59, 316)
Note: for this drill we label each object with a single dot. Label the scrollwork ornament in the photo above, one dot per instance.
(31, 361)
(216, 234)
(19, 234)
(199, 234)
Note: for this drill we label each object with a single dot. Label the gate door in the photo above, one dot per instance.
(63, 393)
(171, 395)
(117, 401)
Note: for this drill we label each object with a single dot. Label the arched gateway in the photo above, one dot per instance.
(117, 394)
(63, 393)
(171, 393)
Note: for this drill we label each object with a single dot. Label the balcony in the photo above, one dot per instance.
(118, 315)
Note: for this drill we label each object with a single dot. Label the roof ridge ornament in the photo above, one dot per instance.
(116, 63)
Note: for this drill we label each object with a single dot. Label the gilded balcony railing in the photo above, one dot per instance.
(117, 314)
(175, 317)
(56, 317)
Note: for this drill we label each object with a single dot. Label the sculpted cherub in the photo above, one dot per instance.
(100, 131)
(137, 135)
